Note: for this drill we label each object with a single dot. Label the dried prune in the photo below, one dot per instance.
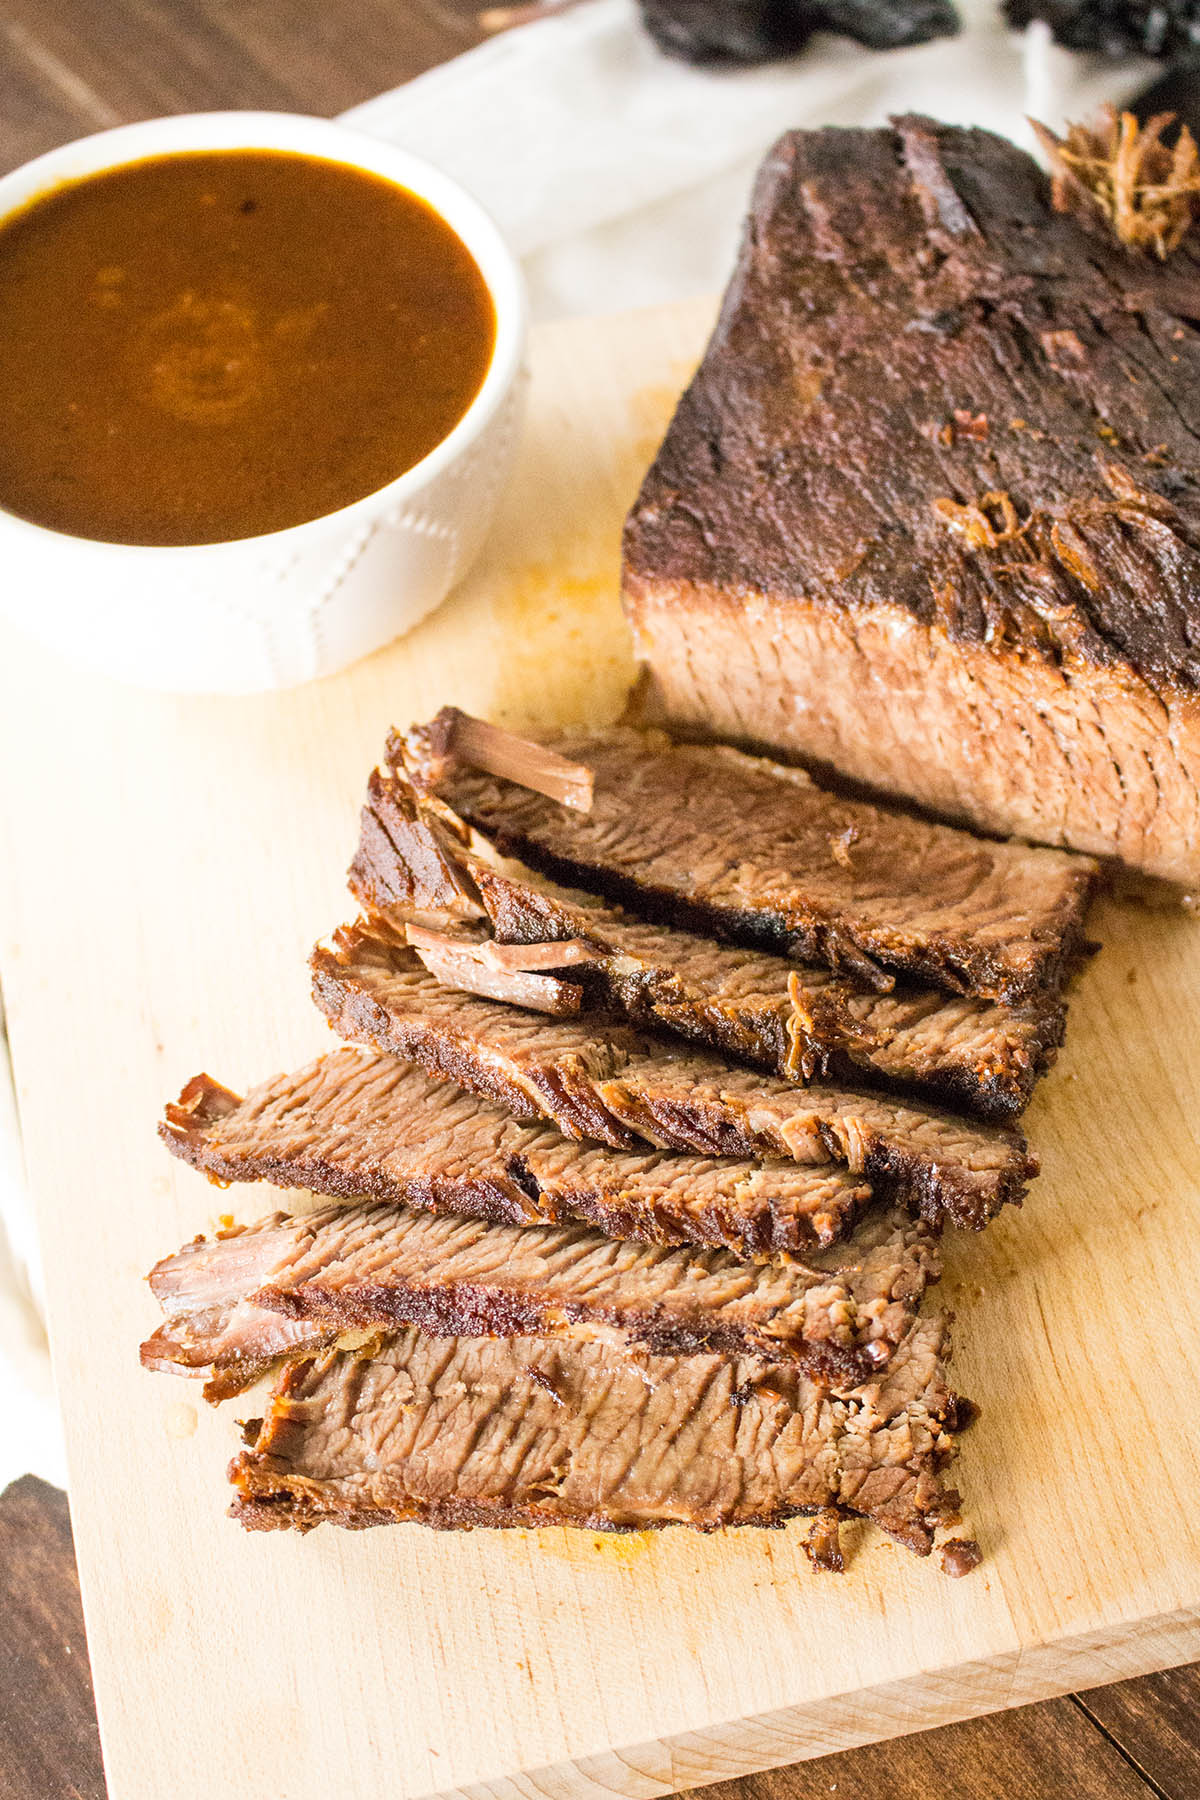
(881, 26)
(755, 31)
(1166, 28)
(728, 31)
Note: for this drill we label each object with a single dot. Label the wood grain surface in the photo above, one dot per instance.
(1147, 1745)
(168, 864)
(49, 1744)
(66, 70)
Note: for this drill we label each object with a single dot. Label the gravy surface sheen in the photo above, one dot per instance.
(206, 346)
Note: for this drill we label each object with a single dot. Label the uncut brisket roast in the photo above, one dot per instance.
(384, 1267)
(929, 512)
(356, 1126)
(461, 1432)
(790, 1019)
(704, 837)
(596, 1076)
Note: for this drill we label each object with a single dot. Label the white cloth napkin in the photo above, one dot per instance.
(620, 178)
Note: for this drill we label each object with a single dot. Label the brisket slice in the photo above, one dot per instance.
(215, 1328)
(462, 1432)
(596, 1077)
(380, 1267)
(929, 513)
(786, 1018)
(707, 838)
(371, 1127)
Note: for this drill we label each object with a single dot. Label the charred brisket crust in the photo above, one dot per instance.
(476, 1311)
(935, 1195)
(751, 1236)
(820, 944)
(998, 1090)
(261, 1507)
(887, 278)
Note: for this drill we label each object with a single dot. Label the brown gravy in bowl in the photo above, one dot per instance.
(209, 345)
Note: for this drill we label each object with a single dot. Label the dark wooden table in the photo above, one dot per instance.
(73, 66)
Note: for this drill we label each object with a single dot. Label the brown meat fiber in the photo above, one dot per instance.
(466, 1432)
(598, 1077)
(704, 837)
(787, 1018)
(371, 1127)
(381, 1266)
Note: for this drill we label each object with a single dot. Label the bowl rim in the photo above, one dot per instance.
(304, 134)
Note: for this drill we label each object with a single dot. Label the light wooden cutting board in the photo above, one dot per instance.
(166, 866)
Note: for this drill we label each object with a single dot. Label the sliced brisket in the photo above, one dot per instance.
(597, 1077)
(789, 1019)
(371, 1127)
(462, 1432)
(704, 837)
(929, 513)
(216, 1329)
(380, 1267)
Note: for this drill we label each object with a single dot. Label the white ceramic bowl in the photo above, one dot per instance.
(275, 610)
